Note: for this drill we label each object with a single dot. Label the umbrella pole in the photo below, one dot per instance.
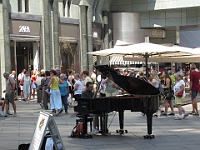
(146, 64)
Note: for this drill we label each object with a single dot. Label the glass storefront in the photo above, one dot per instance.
(69, 56)
(25, 55)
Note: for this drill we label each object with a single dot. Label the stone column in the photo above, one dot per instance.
(46, 36)
(56, 34)
(105, 15)
(4, 42)
(83, 37)
(90, 37)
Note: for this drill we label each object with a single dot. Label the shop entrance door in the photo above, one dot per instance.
(24, 53)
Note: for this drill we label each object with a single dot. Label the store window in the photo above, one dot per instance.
(51, 6)
(95, 4)
(64, 5)
(66, 8)
(69, 56)
(19, 5)
(26, 5)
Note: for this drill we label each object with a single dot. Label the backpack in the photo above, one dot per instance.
(77, 131)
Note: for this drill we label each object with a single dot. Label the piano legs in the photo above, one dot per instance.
(85, 119)
(121, 120)
(104, 122)
(84, 124)
(121, 123)
(149, 127)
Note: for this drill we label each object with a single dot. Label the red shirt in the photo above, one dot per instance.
(194, 78)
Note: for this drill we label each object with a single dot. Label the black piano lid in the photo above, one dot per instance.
(129, 84)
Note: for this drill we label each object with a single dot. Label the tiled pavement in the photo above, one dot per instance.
(169, 134)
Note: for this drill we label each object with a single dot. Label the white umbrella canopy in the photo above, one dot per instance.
(182, 59)
(121, 43)
(145, 50)
(175, 54)
(194, 51)
(151, 52)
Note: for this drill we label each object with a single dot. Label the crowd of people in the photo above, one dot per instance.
(59, 88)
(173, 86)
(63, 88)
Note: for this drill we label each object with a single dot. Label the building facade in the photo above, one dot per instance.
(44, 34)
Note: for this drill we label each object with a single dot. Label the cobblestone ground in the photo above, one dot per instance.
(169, 134)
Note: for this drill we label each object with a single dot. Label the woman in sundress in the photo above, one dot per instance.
(27, 86)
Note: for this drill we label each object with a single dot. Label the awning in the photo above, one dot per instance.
(68, 39)
(17, 37)
(118, 60)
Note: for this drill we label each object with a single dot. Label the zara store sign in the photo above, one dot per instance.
(24, 29)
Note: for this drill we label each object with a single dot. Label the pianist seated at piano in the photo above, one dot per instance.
(88, 93)
(111, 87)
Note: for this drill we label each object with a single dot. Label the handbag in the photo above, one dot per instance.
(180, 94)
(69, 100)
(21, 82)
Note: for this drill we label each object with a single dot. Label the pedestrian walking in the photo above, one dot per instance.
(86, 78)
(179, 90)
(9, 96)
(20, 77)
(194, 88)
(78, 87)
(27, 86)
(64, 91)
(168, 94)
(55, 97)
(34, 85)
(45, 96)
(156, 83)
(71, 86)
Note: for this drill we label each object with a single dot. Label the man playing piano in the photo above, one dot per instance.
(88, 93)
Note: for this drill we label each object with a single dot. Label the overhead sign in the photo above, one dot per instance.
(24, 29)
(155, 33)
(95, 34)
(45, 120)
(19, 27)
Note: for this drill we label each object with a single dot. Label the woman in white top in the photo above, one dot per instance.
(27, 86)
(179, 90)
(78, 86)
(155, 80)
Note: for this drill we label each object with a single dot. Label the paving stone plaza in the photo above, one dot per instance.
(169, 134)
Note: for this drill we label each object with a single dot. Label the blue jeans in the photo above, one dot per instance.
(64, 102)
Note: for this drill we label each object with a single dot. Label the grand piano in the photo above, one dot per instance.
(141, 97)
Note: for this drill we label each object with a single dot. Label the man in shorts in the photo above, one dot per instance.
(194, 88)
(10, 89)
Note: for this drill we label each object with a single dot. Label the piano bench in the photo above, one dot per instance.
(89, 119)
